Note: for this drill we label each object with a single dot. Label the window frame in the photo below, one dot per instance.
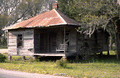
(19, 40)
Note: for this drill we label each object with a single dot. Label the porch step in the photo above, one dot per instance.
(50, 54)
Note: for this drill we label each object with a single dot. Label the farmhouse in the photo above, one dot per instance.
(53, 34)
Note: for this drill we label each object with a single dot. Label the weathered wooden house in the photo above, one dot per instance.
(52, 34)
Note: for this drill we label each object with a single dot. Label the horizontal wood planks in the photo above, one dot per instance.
(27, 41)
(50, 54)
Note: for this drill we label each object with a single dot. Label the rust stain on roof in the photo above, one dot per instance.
(50, 18)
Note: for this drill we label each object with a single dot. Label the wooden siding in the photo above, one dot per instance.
(73, 37)
(85, 43)
(12, 43)
(46, 40)
(28, 40)
(97, 43)
(103, 41)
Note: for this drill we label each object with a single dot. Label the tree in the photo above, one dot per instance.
(93, 14)
(23, 9)
(13, 11)
(7, 9)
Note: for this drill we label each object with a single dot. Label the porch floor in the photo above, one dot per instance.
(50, 54)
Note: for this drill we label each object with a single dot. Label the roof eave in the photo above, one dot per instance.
(76, 25)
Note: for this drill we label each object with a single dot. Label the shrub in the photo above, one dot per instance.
(61, 63)
(2, 58)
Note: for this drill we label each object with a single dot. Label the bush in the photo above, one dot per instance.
(2, 58)
(62, 63)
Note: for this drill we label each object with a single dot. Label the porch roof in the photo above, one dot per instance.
(47, 19)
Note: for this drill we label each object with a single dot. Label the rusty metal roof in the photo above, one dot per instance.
(47, 19)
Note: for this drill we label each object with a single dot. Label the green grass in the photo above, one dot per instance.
(111, 53)
(99, 67)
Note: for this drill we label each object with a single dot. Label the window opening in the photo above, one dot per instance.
(19, 40)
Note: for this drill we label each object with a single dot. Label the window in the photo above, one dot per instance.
(19, 40)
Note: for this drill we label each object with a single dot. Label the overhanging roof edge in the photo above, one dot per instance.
(45, 26)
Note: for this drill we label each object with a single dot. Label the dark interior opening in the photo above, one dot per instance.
(19, 40)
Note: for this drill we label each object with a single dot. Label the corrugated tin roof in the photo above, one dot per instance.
(50, 18)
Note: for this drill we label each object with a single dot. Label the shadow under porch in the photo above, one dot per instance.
(47, 40)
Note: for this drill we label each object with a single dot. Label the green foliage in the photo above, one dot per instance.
(4, 20)
(3, 41)
(111, 52)
(30, 8)
(62, 63)
(2, 58)
(19, 10)
(92, 14)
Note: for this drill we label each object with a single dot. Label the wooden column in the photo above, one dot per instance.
(64, 44)
(48, 41)
(64, 40)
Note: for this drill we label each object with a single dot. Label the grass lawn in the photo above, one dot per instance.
(99, 67)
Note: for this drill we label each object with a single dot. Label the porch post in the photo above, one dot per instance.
(48, 42)
(64, 40)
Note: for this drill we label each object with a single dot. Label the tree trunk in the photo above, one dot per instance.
(111, 43)
(116, 43)
(116, 39)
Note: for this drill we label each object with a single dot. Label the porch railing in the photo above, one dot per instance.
(62, 48)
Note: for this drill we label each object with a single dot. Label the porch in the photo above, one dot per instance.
(50, 54)
(54, 41)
